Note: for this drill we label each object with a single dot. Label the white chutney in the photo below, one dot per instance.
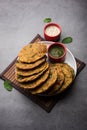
(52, 30)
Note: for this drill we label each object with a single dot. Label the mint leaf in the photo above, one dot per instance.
(67, 40)
(47, 20)
(7, 85)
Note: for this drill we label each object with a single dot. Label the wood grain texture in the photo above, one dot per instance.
(46, 103)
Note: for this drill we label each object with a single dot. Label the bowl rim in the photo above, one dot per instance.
(57, 44)
(55, 24)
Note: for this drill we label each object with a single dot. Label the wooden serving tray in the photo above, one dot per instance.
(47, 103)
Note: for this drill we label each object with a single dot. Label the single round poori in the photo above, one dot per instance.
(32, 52)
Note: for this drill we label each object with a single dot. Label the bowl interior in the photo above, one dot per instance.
(54, 25)
(59, 46)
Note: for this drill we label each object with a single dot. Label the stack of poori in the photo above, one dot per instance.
(37, 75)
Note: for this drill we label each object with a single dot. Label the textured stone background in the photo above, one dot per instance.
(20, 21)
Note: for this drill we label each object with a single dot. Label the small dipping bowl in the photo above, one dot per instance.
(57, 52)
(52, 32)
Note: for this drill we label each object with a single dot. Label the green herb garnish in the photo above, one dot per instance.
(67, 40)
(47, 20)
(56, 51)
(7, 85)
(30, 45)
(50, 75)
(20, 77)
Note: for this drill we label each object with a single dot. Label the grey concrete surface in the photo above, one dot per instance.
(20, 21)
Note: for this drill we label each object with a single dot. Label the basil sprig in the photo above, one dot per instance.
(7, 85)
(47, 20)
(67, 40)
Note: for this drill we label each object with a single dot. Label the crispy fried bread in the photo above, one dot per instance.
(33, 71)
(32, 52)
(35, 75)
(37, 82)
(68, 76)
(48, 83)
(22, 79)
(58, 84)
(27, 66)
